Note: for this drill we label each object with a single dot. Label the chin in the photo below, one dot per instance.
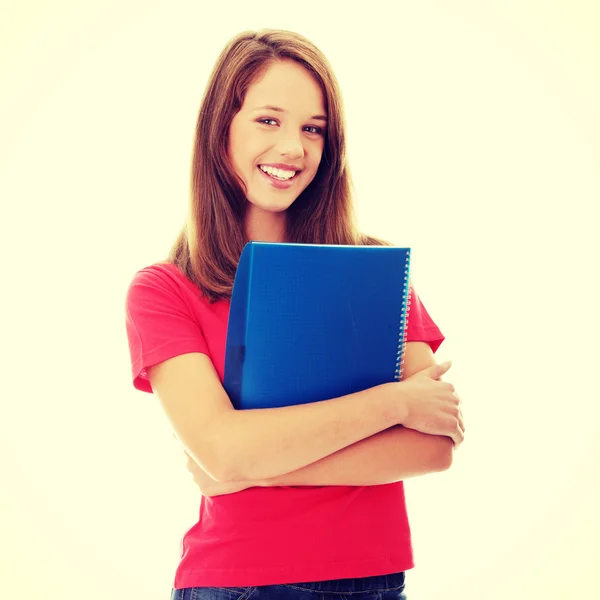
(272, 207)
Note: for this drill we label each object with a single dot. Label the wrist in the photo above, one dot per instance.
(395, 402)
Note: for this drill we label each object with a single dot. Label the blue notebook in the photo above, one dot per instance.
(312, 322)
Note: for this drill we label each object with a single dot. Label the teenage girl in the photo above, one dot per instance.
(305, 501)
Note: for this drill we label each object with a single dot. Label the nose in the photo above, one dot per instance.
(290, 145)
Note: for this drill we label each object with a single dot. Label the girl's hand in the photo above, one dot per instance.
(209, 487)
(431, 405)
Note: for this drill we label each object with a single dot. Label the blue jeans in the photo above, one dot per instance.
(380, 587)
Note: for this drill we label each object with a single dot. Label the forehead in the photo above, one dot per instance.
(289, 86)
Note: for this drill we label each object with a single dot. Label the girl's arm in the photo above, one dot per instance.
(386, 457)
(392, 455)
(240, 445)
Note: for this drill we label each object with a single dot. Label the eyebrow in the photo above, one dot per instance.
(277, 109)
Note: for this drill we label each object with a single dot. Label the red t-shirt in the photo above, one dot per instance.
(265, 536)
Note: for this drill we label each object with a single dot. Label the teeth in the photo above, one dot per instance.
(279, 173)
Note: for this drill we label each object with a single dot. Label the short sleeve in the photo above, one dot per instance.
(421, 327)
(159, 323)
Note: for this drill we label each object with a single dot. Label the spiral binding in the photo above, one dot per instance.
(403, 322)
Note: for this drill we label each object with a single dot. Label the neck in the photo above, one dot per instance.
(263, 226)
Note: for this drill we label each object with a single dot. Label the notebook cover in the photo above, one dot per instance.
(312, 322)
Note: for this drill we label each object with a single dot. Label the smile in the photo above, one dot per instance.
(279, 174)
(277, 182)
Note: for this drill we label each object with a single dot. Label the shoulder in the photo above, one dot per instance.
(158, 273)
(166, 315)
(161, 279)
(161, 291)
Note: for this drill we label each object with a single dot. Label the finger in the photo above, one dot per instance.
(460, 433)
(461, 421)
(436, 371)
(457, 438)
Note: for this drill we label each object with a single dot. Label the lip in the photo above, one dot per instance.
(280, 185)
(282, 166)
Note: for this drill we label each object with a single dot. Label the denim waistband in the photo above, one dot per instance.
(357, 585)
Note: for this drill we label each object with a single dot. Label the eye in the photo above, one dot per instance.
(314, 130)
(317, 130)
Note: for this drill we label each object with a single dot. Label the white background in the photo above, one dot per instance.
(474, 135)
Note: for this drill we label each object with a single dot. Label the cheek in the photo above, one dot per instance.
(238, 146)
(320, 148)
(318, 156)
(248, 153)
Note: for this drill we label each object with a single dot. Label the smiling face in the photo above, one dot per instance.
(276, 140)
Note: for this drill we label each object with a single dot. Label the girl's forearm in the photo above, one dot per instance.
(386, 457)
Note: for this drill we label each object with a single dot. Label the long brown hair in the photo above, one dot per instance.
(210, 244)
